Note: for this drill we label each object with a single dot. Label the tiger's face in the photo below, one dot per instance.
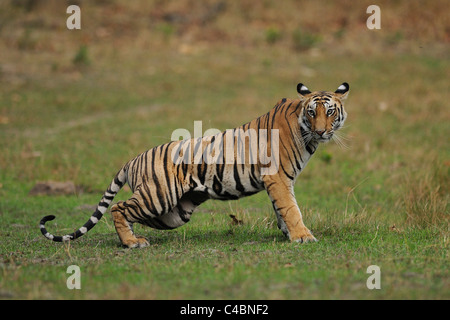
(322, 113)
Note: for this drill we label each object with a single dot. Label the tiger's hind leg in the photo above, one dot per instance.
(124, 227)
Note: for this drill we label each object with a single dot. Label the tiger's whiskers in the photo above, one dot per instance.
(341, 140)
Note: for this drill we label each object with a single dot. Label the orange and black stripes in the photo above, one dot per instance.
(169, 181)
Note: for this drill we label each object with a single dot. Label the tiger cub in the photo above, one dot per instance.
(169, 181)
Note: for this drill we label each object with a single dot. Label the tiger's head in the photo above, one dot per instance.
(322, 112)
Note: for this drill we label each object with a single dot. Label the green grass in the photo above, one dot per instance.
(381, 201)
(210, 258)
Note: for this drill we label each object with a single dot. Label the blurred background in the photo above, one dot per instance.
(77, 104)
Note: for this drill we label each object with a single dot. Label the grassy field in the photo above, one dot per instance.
(76, 105)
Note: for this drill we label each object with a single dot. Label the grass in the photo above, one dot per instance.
(381, 201)
(211, 258)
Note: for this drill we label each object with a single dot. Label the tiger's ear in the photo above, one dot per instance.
(342, 91)
(302, 90)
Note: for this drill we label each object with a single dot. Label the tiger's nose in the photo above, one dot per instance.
(320, 132)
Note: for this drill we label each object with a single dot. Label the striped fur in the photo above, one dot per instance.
(171, 180)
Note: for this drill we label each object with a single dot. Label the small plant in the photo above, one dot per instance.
(82, 56)
(304, 40)
(426, 199)
(166, 29)
(273, 35)
(394, 38)
(339, 34)
(326, 157)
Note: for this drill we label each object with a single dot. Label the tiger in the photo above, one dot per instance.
(169, 181)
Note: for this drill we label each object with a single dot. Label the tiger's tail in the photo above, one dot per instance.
(118, 182)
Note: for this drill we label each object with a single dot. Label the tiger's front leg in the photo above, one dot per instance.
(282, 195)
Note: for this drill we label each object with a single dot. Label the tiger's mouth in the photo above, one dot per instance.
(324, 137)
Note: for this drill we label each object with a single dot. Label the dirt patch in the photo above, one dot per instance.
(54, 188)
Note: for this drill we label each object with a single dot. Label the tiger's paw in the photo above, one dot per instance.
(306, 238)
(137, 242)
